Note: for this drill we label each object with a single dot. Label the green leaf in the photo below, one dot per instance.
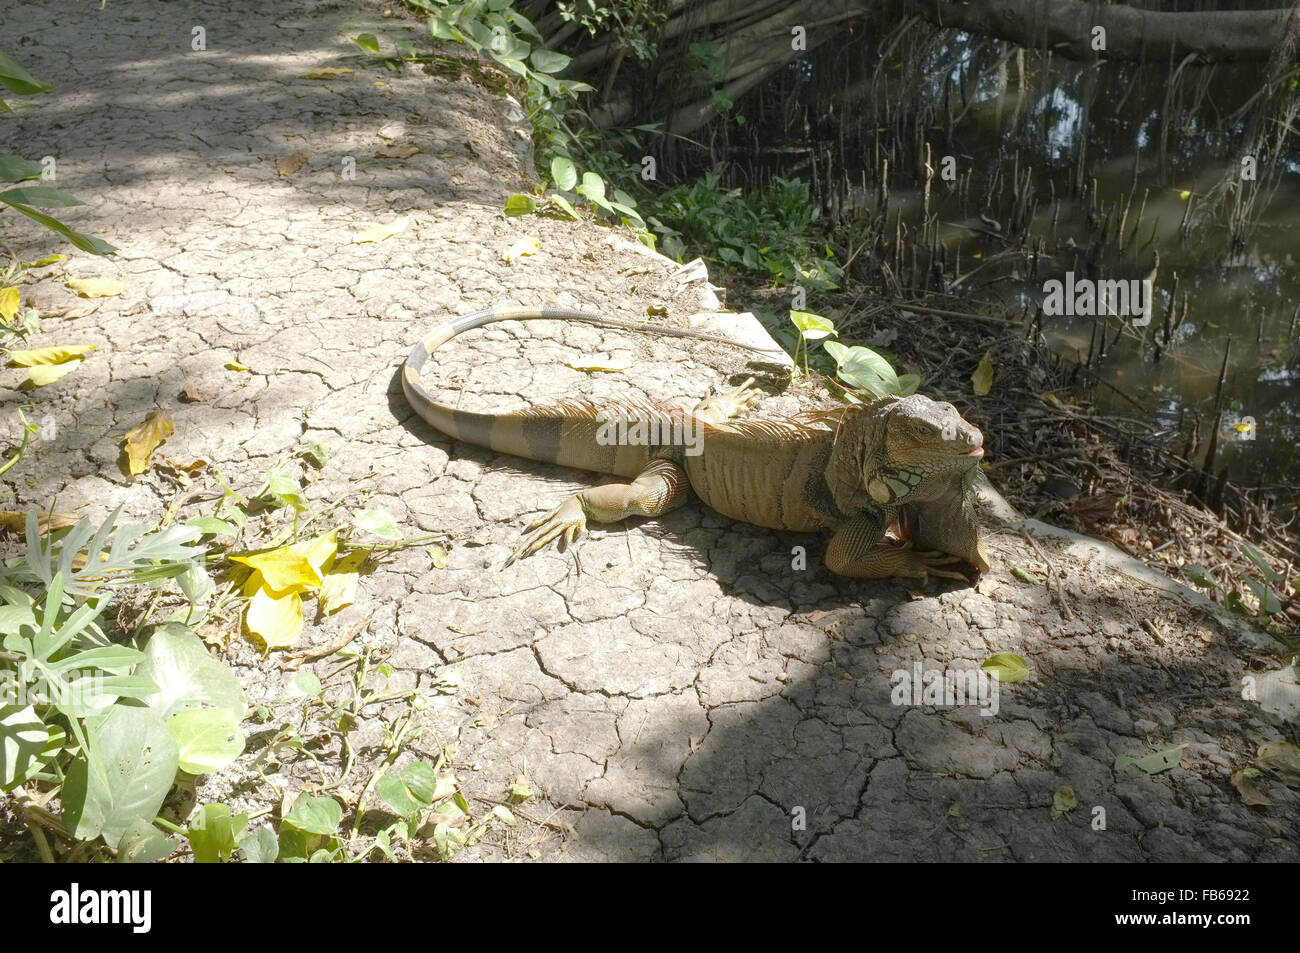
(304, 684)
(393, 792)
(593, 187)
(16, 169)
(211, 526)
(1007, 667)
(812, 327)
(259, 847)
(563, 173)
(1268, 603)
(378, 522)
(86, 243)
(207, 739)
(42, 196)
(1160, 760)
(27, 744)
(196, 584)
(315, 815)
(285, 491)
(549, 61)
(367, 41)
(908, 383)
(836, 350)
(145, 844)
(863, 367)
(1200, 576)
(186, 674)
(509, 62)
(519, 204)
(317, 455)
(124, 776)
(212, 833)
(564, 205)
(17, 79)
(1255, 556)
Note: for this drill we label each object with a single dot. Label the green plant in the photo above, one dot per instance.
(867, 374)
(774, 231)
(105, 724)
(564, 174)
(15, 168)
(1266, 601)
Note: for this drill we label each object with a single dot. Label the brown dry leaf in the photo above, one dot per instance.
(16, 520)
(398, 152)
(191, 393)
(288, 165)
(145, 439)
(1243, 779)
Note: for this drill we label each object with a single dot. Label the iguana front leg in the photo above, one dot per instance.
(660, 487)
(858, 549)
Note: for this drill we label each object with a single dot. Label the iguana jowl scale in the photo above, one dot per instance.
(897, 467)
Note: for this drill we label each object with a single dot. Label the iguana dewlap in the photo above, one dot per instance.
(905, 465)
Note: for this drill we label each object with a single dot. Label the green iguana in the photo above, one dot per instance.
(892, 480)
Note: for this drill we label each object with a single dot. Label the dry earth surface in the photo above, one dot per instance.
(678, 691)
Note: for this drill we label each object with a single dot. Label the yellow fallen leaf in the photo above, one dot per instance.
(288, 165)
(521, 248)
(378, 233)
(48, 374)
(328, 72)
(981, 381)
(291, 568)
(280, 571)
(235, 366)
(601, 364)
(438, 557)
(49, 355)
(8, 303)
(143, 440)
(339, 587)
(1185, 194)
(276, 622)
(96, 287)
(48, 260)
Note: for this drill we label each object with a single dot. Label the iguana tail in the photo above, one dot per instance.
(563, 432)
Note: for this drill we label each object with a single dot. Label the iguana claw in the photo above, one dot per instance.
(568, 519)
(931, 560)
(731, 404)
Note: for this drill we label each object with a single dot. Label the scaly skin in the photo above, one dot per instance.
(899, 465)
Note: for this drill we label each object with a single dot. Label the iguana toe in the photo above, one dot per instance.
(731, 404)
(567, 519)
(934, 563)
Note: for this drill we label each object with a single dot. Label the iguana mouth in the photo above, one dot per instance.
(977, 452)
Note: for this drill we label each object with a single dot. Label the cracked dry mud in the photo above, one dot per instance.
(680, 692)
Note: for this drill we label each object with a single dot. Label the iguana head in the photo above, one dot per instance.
(923, 450)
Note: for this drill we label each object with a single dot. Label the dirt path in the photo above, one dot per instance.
(686, 693)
